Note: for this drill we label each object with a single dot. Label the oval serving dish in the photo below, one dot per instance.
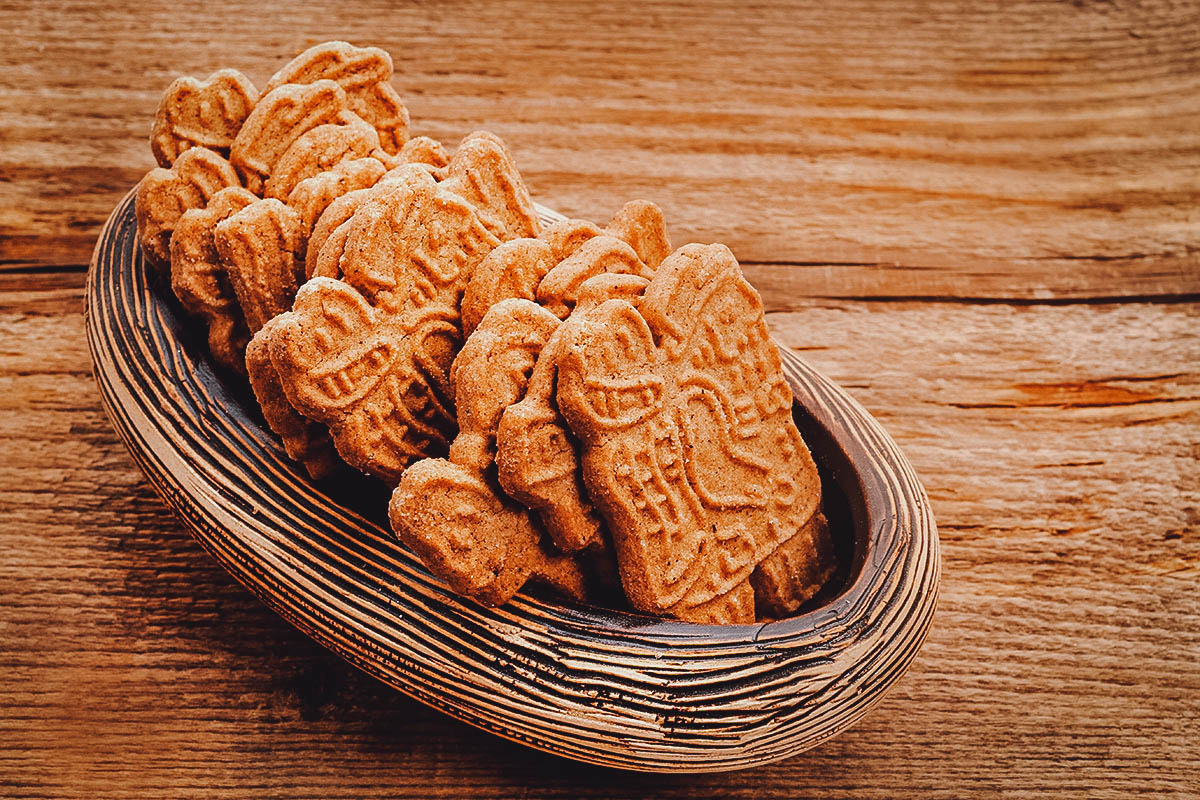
(611, 688)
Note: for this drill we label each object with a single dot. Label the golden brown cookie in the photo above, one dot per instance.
(282, 116)
(512, 270)
(484, 174)
(551, 267)
(331, 220)
(304, 441)
(411, 244)
(641, 224)
(312, 196)
(199, 280)
(449, 511)
(424, 150)
(537, 456)
(378, 379)
(321, 149)
(565, 237)
(365, 74)
(796, 571)
(165, 195)
(260, 250)
(206, 113)
(559, 288)
(370, 357)
(689, 448)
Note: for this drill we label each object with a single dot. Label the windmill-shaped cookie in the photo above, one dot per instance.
(689, 447)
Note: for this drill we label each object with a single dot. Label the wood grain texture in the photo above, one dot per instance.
(1030, 342)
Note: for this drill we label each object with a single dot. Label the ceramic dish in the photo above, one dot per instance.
(606, 687)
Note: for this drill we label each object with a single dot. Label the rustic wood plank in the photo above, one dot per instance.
(1062, 470)
(1030, 149)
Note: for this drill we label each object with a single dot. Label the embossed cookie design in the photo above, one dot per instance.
(689, 447)
(537, 456)
(796, 571)
(205, 113)
(281, 117)
(321, 149)
(165, 195)
(377, 379)
(312, 196)
(412, 244)
(483, 173)
(449, 511)
(305, 441)
(364, 73)
(520, 268)
(370, 357)
(199, 280)
(259, 248)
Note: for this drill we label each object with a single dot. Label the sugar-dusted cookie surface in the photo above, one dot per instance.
(282, 116)
(208, 113)
(165, 195)
(364, 73)
(305, 441)
(260, 248)
(537, 456)
(450, 511)
(199, 280)
(689, 447)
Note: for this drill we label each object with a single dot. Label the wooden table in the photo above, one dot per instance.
(983, 219)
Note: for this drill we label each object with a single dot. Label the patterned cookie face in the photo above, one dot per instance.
(199, 280)
(796, 571)
(281, 117)
(196, 113)
(259, 248)
(364, 74)
(483, 173)
(690, 450)
(165, 195)
(537, 457)
(305, 441)
(412, 244)
(377, 379)
(312, 196)
(512, 270)
(450, 511)
(558, 291)
(552, 267)
(321, 149)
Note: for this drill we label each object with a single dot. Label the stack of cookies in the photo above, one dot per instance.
(575, 406)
